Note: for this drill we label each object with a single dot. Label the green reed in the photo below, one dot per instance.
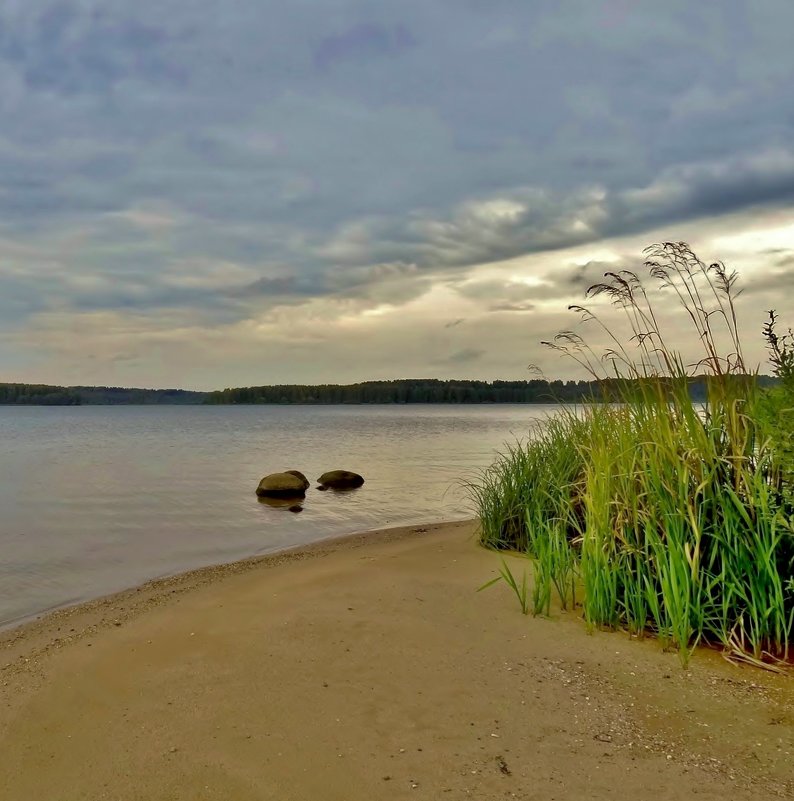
(671, 517)
(520, 590)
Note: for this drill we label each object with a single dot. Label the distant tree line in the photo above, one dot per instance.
(37, 394)
(436, 391)
(124, 395)
(409, 390)
(406, 391)
(46, 395)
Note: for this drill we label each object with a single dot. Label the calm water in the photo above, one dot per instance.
(97, 499)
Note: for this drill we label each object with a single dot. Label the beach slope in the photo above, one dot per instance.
(370, 668)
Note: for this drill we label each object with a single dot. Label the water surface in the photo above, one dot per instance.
(97, 499)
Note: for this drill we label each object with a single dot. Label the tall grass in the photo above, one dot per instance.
(669, 517)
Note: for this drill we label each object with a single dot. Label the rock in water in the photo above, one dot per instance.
(340, 479)
(281, 485)
(298, 474)
(296, 507)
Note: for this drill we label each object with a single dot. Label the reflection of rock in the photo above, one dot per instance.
(340, 479)
(282, 485)
(298, 474)
(279, 503)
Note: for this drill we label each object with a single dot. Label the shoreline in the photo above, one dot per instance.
(368, 666)
(138, 597)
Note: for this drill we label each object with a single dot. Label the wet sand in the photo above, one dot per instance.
(369, 668)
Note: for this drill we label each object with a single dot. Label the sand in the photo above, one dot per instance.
(369, 668)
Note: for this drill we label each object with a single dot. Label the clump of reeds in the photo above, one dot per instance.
(776, 406)
(668, 516)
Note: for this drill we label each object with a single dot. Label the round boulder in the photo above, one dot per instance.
(281, 485)
(340, 480)
(298, 474)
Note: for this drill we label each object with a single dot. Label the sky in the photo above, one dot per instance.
(236, 192)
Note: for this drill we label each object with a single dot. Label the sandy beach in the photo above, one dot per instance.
(369, 668)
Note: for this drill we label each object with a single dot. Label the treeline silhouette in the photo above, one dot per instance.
(47, 395)
(37, 394)
(409, 390)
(425, 390)
(422, 390)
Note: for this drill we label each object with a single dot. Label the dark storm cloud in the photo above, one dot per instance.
(366, 148)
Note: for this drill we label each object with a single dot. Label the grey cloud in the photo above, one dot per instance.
(706, 189)
(20, 298)
(361, 42)
(464, 356)
(393, 283)
(563, 283)
(785, 258)
(777, 284)
(64, 47)
(578, 279)
(382, 281)
(280, 286)
(355, 150)
(531, 220)
(126, 357)
(496, 290)
(512, 307)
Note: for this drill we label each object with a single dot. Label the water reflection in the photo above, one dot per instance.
(281, 503)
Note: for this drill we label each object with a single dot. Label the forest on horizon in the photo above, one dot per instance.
(399, 391)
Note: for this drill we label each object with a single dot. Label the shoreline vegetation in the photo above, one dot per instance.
(51, 395)
(398, 391)
(656, 515)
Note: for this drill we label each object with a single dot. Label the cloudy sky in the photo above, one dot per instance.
(230, 192)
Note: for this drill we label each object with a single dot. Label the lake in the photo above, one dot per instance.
(95, 499)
